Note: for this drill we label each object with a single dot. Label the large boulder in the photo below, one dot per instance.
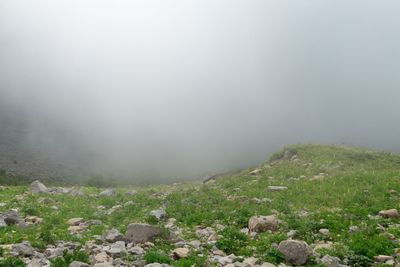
(296, 252)
(38, 188)
(263, 223)
(141, 233)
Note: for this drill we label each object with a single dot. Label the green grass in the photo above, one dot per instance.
(357, 182)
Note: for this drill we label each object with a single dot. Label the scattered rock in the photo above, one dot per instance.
(263, 223)
(392, 213)
(296, 252)
(275, 188)
(38, 188)
(109, 192)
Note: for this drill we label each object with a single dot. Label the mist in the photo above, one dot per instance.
(160, 90)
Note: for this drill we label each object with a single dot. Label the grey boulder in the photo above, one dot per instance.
(141, 233)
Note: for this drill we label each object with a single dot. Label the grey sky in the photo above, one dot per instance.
(184, 88)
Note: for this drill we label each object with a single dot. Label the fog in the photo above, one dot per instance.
(162, 90)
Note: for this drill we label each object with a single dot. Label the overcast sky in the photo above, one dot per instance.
(160, 89)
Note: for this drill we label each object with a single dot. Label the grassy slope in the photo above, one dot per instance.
(357, 183)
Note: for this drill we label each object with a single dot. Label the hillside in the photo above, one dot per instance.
(316, 206)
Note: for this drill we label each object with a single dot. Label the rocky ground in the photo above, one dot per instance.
(309, 205)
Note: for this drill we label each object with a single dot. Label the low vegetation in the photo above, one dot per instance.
(332, 202)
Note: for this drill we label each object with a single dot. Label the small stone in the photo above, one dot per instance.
(382, 258)
(113, 235)
(136, 250)
(274, 188)
(23, 249)
(267, 264)
(252, 261)
(291, 233)
(392, 213)
(263, 223)
(79, 264)
(180, 253)
(75, 221)
(353, 229)
(329, 261)
(11, 217)
(255, 172)
(196, 244)
(33, 220)
(109, 192)
(35, 263)
(102, 257)
(159, 214)
(157, 265)
(75, 229)
(324, 232)
(38, 188)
